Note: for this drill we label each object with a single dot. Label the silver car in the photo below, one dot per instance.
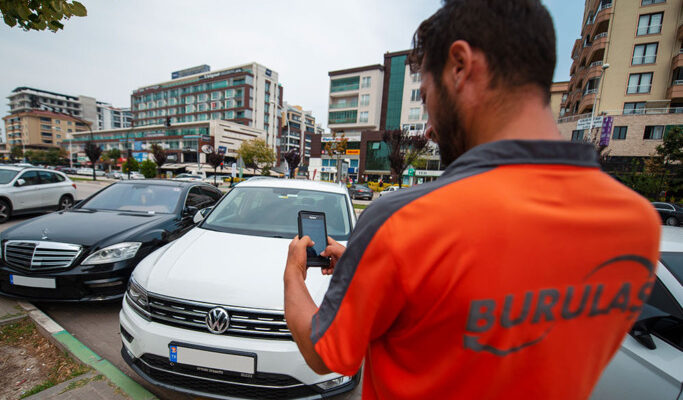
(649, 364)
(29, 190)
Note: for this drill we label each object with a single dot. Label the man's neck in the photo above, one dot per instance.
(519, 118)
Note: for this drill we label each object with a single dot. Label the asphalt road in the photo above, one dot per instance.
(97, 325)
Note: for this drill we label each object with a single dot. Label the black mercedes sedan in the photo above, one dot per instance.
(88, 252)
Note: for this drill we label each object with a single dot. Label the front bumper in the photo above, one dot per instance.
(104, 282)
(281, 372)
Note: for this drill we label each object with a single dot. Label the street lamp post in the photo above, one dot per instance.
(595, 101)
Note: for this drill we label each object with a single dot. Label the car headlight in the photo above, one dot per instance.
(117, 252)
(136, 297)
(327, 385)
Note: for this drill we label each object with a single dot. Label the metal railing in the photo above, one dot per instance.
(590, 91)
(600, 36)
(604, 6)
(678, 82)
(595, 64)
(572, 118)
(627, 112)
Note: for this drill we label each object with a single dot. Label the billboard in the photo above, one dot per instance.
(190, 71)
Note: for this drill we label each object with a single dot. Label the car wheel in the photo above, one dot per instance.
(672, 221)
(65, 202)
(5, 211)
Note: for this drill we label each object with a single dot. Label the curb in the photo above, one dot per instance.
(65, 341)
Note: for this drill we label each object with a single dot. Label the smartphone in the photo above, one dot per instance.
(312, 224)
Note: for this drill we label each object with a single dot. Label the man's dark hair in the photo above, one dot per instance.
(516, 36)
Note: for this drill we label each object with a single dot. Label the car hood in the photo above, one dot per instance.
(81, 227)
(224, 268)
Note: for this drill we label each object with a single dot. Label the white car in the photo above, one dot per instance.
(205, 314)
(649, 364)
(29, 190)
(390, 189)
(188, 177)
(88, 172)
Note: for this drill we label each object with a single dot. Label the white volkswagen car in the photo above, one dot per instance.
(229, 269)
(649, 364)
(29, 190)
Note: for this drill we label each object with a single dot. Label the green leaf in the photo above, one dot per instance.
(23, 11)
(79, 9)
(9, 21)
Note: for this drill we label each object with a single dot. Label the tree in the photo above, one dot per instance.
(149, 169)
(39, 15)
(93, 152)
(670, 152)
(159, 154)
(215, 160)
(17, 153)
(256, 154)
(335, 149)
(404, 149)
(114, 155)
(131, 164)
(293, 159)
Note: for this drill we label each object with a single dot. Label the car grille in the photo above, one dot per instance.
(38, 255)
(258, 386)
(243, 321)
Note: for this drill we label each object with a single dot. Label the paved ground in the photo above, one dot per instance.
(91, 386)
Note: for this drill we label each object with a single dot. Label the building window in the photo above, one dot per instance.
(414, 113)
(202, 107)
(634, 108)
(639, 83)
(416, 77)
(216, 95)
(577, 135)
(591, 86)
(344, 84)
(645, 54)
(363, 116)
(415, 95)
(203, 97)
(365, 100)
(654, 132)
(650, 24)
(366, 82)
(619, 132)
(189, 99)
(190, 108)
(343, 117)
(216, 105)
(677, 76)
(649, 2)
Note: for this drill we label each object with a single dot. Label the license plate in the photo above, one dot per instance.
(212, 359)
(45, 283)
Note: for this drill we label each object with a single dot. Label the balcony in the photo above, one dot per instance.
(598, 45)
(677, 61)
(587, 101)
(675, 91)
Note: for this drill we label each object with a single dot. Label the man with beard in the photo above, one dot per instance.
(519, 271)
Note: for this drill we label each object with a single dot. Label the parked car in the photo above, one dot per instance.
(114, 175)
(188, 177)
(87, 253)
(231, 266)
(390, 189)
(68, 170)
(672, 214)
(362, 192)
(30, 190)
(133, 175)
(88, 172)
(649, 364)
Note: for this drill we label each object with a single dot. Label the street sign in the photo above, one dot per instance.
(411, 171)
(207, 149)
(234, 170)
(606, 131)
(585, 123)
(222, 150)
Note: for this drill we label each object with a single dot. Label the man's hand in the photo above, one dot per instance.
(333, 250)
(296, 258)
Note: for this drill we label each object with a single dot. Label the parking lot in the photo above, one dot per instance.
(97, 324)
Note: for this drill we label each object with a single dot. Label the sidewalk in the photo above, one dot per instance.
(104, 382)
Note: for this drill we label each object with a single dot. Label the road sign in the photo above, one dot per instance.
(411, 171)
(207, 149)
(585, 123)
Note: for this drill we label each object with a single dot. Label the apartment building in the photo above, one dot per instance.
(558, 96)
(298, 128)
(39, 130)
(99, 114)
(355, 99)
(248, 94)
(627, 65)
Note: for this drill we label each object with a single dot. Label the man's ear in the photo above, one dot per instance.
(458, 65)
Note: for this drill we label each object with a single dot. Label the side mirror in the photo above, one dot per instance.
(190, 211)
(20, 182)
(642, 328)
(199, 217)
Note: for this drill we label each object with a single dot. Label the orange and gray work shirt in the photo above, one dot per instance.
(515, 275)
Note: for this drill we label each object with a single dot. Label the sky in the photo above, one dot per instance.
(126, 44)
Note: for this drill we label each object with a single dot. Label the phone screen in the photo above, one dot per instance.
(314, 227)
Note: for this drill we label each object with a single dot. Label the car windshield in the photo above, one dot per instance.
(273, 212)
(136, 197)
(6, 175)
(674, 263)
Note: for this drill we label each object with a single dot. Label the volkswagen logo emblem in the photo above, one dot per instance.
(217, 320)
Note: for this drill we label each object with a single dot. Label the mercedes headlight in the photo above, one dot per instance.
(117, 252)
(136, 297)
